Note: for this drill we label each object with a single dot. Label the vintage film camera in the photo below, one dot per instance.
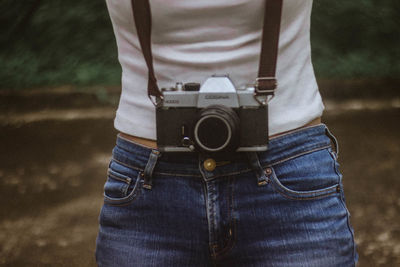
(212, 117)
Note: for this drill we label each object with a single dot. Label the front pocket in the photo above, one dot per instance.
(309, 176)
(122, 185)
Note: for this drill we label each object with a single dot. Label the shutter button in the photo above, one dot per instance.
(209, 165)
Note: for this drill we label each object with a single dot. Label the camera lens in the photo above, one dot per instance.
(216, 129)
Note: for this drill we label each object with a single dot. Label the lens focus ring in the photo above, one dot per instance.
(217, 129)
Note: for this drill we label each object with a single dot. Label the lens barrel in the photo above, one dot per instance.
(217, 129)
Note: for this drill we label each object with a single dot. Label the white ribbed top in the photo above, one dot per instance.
(194, 39)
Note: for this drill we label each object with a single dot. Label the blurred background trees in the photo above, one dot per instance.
(62, 42)
(49, 43)
(356, 39)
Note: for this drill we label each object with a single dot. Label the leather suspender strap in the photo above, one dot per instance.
(142, 17)
(266, 82)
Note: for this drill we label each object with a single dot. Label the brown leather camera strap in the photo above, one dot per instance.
(266, 81)
(142, 17)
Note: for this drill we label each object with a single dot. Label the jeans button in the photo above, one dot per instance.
(209, 164)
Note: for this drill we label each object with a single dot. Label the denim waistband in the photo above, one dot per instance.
(282, 148)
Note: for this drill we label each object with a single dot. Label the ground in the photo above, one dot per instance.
(53, 165)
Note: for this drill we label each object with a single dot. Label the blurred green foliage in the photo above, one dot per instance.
(58, 42)
(63, 42)
(356, 39)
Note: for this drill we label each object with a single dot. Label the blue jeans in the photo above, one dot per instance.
(282, 207)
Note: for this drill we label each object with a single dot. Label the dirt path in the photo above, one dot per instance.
(60, 236)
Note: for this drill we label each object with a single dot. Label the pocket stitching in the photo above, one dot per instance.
(300, 195)
(124, 179)
(127, 199)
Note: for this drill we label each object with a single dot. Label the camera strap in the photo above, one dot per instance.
(266, 82)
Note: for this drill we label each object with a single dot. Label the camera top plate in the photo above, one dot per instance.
(216, 90)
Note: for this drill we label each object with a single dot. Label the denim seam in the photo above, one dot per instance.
(342, 202)
(334, 160)
(204, 183)
(127, 165)
(301, 195)
(334, 141)
(178, 174)
(156, 173)
(349, 228)
(313, 149)
(232, 222)
(297, 155)
(310, 193)
(124, 200)
(228, 247)
(126, 180)
(210, 218)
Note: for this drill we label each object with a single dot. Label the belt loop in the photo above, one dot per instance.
(254, 162)
(334, 141)
(148, 170)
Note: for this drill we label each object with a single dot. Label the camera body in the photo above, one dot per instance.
(212, 117)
